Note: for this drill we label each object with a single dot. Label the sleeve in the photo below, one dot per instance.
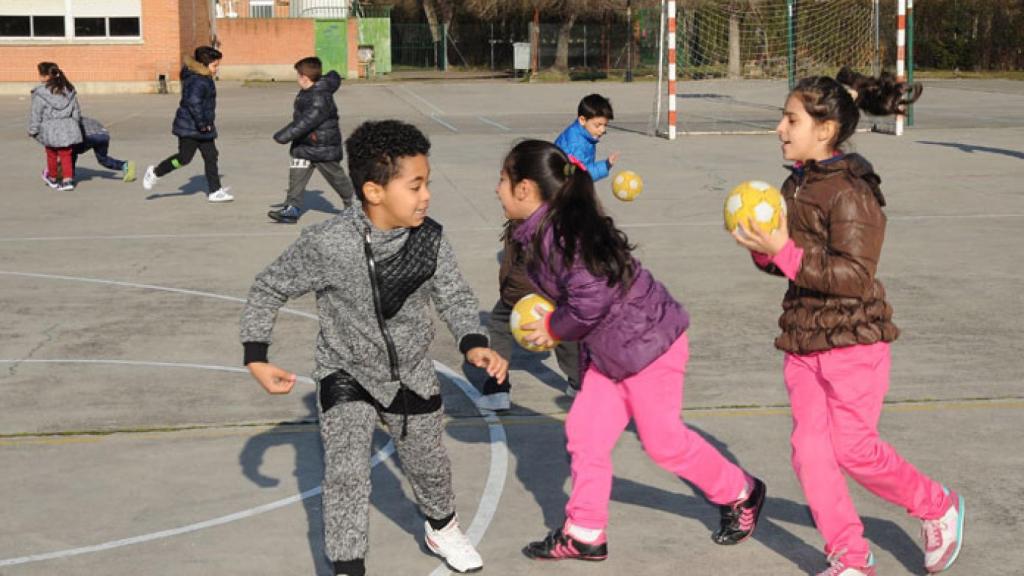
(76, 110)
(764, 263)
(294, 273)
(308, 122)
(589, 299)
(846, 265)
(36, 115)
(455, 302)
(598, 169)
(195, 96)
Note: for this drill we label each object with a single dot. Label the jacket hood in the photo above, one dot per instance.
(854, 164)
(55, 101)
(195, 67)
(329, 83)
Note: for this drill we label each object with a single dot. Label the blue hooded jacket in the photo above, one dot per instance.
(578, 143)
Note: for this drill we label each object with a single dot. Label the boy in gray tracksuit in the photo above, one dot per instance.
(376, 269)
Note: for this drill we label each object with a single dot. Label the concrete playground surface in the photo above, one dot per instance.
(132, 441)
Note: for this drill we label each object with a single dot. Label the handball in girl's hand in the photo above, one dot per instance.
(627, 185)
(525, 312)
(757, 202)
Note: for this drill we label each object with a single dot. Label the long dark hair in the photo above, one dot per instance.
(581, 228)
(56, 81)
(826, 98)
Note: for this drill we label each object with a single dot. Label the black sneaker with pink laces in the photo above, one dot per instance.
(740, 518)
(560, 546)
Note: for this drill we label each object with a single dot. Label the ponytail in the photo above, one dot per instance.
(56, 81)
(582, 231)
(841, 99)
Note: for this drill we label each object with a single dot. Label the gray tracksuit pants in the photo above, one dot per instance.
(302, 170)
(347, 430)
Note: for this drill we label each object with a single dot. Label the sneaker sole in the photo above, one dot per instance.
(528, 554)
(281, 220)
(437, 552)
(959, 538)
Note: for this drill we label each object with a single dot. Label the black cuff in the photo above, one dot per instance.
(255, 352)
(470, 341)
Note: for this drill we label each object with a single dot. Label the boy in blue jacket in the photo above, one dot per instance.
(315, 137)
(579, 139)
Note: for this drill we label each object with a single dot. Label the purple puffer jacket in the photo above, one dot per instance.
(620, 334)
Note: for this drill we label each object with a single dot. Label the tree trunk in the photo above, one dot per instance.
(562, 48)
(535, 42)
(734, 45)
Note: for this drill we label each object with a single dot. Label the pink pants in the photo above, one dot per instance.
(836, 398)
(654, 399)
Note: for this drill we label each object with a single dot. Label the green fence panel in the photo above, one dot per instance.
(332, 45)
(377, 32)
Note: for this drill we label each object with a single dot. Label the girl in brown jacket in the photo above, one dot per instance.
(837, 325)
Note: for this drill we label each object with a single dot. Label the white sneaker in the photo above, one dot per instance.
(943, 537)
(220, 196)
(452, 545)
(497, 402)
(149, 178)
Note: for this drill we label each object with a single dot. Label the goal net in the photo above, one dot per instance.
(736, 59)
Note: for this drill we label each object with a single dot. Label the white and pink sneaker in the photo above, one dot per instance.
(452, 545)
(943, 536)
(838, 568)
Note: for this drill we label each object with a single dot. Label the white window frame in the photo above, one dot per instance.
(264, 8)
(69, 37)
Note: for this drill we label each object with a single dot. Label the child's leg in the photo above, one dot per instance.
(299, 173)
(186, 151)
(208, 149)
(100, 146)
(66, 166)
(339, 180)
(425, 461)
(655, 398)
(51, 162)
(568, 356)
(501, 342)
(346, 430)
(597, 418)
(814, 462)
(858, 379)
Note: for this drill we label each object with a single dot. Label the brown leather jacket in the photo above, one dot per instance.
(835, 215)
(513, 282)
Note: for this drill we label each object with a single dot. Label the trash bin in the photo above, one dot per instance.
(364, 53)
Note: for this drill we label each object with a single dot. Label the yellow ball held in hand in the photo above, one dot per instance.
(523, 313)
(627, 185)
(755, 201)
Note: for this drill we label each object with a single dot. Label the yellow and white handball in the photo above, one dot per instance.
(627, 185)
(755, 201)
(523, 313)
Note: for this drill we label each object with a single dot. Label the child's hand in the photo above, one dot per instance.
(273, 379)
(613, 158)
(489, 360)
(538, 334)
(754, 239)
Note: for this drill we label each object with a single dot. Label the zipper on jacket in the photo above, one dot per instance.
(388, 342)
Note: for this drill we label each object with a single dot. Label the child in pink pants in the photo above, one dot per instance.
(837, 325)
(633, 346)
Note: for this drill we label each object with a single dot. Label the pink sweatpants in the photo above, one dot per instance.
(836, 398)
(654, 399)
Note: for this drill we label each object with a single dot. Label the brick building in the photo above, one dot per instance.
(131, 45)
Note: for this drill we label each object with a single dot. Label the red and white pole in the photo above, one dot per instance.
(901, 54)
(671, 39)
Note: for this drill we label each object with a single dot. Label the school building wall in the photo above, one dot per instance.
(264, 48)
(168, 29)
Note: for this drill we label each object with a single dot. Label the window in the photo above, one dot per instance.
(94, 26)
(261, 8)
(15, 26)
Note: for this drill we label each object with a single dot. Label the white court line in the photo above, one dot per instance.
(493, 123)
(493, 487)
(438, 119)
(421, 99)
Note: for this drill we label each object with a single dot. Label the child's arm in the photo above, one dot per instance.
(308, 122)
(35, 116)
(294, 273)
(589, 299)
(193, 101)
(460, 310)
(76, 110)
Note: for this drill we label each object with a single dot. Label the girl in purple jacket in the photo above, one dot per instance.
(633, 346)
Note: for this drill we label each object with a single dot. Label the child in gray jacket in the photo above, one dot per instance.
(54, 123)
(376, 269)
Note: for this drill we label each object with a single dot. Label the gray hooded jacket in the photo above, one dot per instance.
(55, 117)
(329, 260)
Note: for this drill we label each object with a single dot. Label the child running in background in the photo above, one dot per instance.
(837, 325)
(633, 352)
(579, 139)
(54, 123)
(315, 137)
(377, 270)
(194, 124)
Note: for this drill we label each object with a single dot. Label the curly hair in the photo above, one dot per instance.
(374, 148)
